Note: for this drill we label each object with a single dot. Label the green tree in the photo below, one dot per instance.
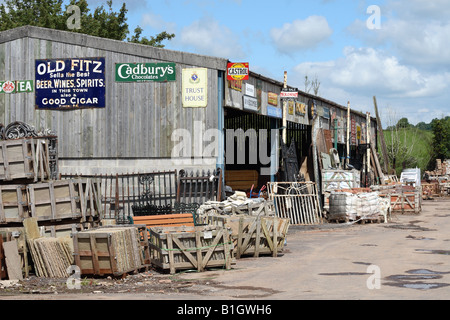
(153, 41)
(102, 22)
(403, 123)
(441, 142)
(17, 13)
(423, 126)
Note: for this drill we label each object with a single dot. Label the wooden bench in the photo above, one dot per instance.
(169, 220)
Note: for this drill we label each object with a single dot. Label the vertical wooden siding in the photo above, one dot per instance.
(137, 122)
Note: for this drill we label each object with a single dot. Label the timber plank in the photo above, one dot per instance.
(12, 259)
(2, 261)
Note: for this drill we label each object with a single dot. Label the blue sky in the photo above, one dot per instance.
(405, 62)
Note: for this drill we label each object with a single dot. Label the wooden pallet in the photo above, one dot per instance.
(184, 248)
(374, 219)
(339, 219)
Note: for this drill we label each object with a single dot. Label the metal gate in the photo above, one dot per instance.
(155, 193)
(122, 194)
(297, 201)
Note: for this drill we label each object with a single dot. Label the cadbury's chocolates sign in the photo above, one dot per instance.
(141, 72)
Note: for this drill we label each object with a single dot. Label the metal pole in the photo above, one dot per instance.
(335, 133)
(348, 134)
(285, 111)
(368, 148)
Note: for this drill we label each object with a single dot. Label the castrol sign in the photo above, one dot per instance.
(238, 71)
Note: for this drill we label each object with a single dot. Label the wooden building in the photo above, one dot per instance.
(133, 130)
(135, 117)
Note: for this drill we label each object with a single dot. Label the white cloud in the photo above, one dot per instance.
(157, 22)
(207, 36)
(367, 70)
(301, 34)
(416, 31)
(420, 9)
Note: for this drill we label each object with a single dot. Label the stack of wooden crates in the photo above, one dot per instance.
(29, 189)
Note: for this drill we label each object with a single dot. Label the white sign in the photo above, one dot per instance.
(195, 86)
(289, 94)
(249, 89)
(250, 103)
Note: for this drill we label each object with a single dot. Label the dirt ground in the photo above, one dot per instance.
(407, 258)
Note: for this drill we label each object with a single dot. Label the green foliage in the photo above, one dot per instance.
(441, 139)
(408, 148)
(153, 41)
(423, 126)
(102, 22)
(419, 146)
(16, 13)
(403, 123)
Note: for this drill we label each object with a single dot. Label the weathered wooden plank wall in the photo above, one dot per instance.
(139, 118)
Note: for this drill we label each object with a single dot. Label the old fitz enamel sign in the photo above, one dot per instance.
(70, 83)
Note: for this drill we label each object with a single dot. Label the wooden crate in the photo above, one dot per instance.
(254, 235)
(430, 189)
(183, 248)
(340, 179)
(55, 200)
(24, 159)
(111, 250)
(405, 202)
(16, 159)
(13, 204)
(403, 199)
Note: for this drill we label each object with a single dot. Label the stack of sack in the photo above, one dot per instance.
(238, 203)
(355, 206)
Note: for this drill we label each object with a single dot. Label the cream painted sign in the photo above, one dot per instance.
(195, 87)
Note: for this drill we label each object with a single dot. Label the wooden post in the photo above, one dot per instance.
(171, 255)
(347, 161)
(198, 244)
(275, 238)
(368, 149)
(240, 237)
(382, 141)
(285, 111)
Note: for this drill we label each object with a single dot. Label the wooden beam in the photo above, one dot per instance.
(383, 142)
